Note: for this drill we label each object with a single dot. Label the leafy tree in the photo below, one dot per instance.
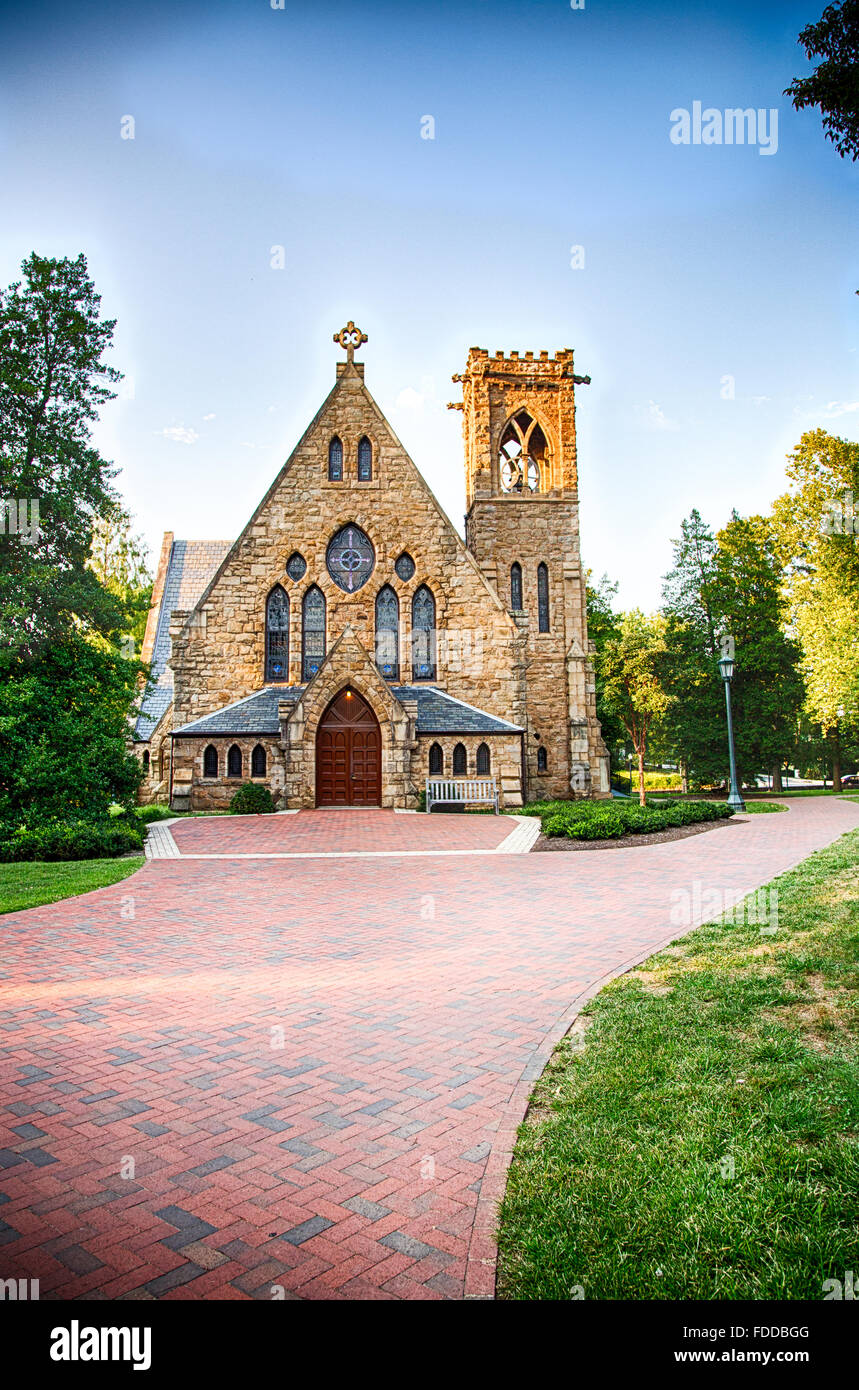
(63, 733)
(689, 605)
(730, 584)
(630, 667)
(814, 526)
(834, 84)
(52, 382)
(603, 625)
(65, 693)
(118, 558)
(767, 691)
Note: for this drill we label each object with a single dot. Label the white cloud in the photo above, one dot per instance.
(179, 434)
(657, 419)
(411, 399)
(209, 417)
(836, 408)
(760, 400)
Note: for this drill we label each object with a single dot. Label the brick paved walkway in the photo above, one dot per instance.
(224, 1075)
(336, 831)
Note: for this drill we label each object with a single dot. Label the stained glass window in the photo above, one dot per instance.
(388, 633)
(234, 761)
(277, 635)
(335, 461)
(365, 460)
(210, 761)
(460, 760)
(516, 585)
(313, 632)
(258, 761)
(542, 760)
(296, 565)
(350, 558)
(483, 760)
(405, 566)
(423, 635)
(543, 597)
(436, 760)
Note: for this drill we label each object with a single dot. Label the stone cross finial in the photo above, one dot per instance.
(349, 338)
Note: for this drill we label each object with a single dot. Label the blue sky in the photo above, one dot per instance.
(301, 128)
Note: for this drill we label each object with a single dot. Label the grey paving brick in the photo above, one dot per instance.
(407, 1245)
(374, 1211)
(75, 1257)
(28, 1132)
(165, 1282)
(306, 1230)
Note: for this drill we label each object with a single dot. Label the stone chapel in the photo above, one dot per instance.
(348, 644)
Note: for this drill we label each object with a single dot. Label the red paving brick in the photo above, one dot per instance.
(308, 1073)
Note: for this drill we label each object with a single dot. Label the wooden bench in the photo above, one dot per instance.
(446, 791)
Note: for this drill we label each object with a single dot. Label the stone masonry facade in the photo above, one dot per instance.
(499, 680)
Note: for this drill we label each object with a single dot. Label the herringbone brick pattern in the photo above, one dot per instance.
(355, 831)
(223, 1079)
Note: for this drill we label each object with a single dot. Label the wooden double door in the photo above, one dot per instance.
(348, 754)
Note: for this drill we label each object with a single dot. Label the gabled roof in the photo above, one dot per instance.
(188, 569)
(438, 713)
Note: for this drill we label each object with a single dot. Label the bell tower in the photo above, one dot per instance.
(522, 526)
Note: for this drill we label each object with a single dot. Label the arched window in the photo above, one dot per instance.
(146, 760)
(388, 633)
(483, 762)
(234, 761)
(523, 462)
(335, 461)
(365, 460)
(210, 761)
(543, 598)
(436, 760)
(258, 761)
(542, 760)
(516, 585)
(423, 635)
(277, 635)
(460, 760)
(313, 632)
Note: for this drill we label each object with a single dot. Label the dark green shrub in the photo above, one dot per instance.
(60, 840)
(600, 820)
(252, 800)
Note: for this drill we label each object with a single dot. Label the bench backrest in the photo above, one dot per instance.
(461, 789)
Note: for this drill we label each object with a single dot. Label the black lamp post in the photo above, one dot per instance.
(726, 666)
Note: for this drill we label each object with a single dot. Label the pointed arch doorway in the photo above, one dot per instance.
(348, 753)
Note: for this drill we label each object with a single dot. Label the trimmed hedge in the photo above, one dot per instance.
(58, 840)
(589, 820)
(155, 811)
(252, 800)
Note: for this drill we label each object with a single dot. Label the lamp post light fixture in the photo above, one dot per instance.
(726, 666)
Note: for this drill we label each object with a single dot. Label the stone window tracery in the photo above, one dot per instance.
(523, 455)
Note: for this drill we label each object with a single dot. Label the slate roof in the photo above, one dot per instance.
(189, 569)
(438, 713)
(255, 714)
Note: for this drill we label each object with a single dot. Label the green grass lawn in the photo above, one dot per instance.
(759, 808)
(698, 1137)
(31, 885)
